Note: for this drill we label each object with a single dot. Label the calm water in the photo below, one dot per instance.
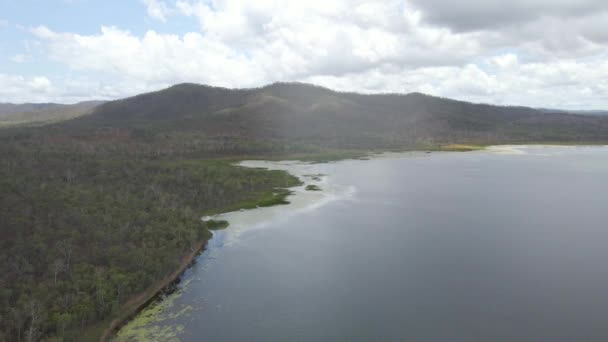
(426, 247)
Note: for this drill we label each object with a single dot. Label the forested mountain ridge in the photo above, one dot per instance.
(308, 116)
(302, 113)
(98, 208)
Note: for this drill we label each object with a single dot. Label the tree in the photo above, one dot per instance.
(58, 266)
(34, 311)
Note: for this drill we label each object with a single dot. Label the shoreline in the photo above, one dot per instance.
(139, 303)
(298, 198)
(135, 305)
(294, 168)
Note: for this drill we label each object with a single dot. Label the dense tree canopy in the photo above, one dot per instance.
(80, 235)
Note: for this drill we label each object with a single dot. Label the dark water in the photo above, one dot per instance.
(441, 247)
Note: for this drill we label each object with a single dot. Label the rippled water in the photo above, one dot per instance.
(503, 245)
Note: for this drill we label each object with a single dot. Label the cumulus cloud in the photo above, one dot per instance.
(154, 58)
(157, 9)
(500, 80)
(468, 15)
(250, 43)
(533, 52)
(14, 88)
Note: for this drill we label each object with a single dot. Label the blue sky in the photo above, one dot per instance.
(535, 52)
(81, 16)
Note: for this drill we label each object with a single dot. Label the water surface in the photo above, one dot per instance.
(505, 245)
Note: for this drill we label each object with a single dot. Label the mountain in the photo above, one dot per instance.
(40, 113)
(302, 116)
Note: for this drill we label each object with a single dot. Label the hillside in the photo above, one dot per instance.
(42, 113)
(304, 116)
(575, 111)
(11, 108)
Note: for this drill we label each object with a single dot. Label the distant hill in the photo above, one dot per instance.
(39, 113)
(300, 115)
(575, 111)
(11, 108)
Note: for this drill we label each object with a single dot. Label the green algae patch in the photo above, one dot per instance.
(312, 187)
(461, 148)
(152, 324)
(146, 326)
(217, 224)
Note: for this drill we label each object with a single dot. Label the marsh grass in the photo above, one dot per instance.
(461, 148)
(217, 224)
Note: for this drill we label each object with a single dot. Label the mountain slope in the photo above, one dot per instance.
(305, 115)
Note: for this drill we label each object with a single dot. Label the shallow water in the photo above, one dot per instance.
(509, 244)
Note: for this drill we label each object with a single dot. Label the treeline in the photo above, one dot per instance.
(80, 235)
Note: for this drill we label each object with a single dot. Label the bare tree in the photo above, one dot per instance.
(58, 266)
(33, 332)
(65, 247)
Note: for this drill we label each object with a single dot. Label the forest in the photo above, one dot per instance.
(98, 208)
(80, 235)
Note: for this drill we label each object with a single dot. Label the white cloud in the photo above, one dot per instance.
(155, 59)
(157, 9)
(505, 61)
(40, 84)
(15, 88)
(358, 45)
(559, 84)
(250, 43)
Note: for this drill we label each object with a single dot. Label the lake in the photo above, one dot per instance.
(509, 244)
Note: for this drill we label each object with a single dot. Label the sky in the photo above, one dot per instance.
(541, 53)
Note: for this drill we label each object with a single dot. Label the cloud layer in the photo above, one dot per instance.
(535, 52)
